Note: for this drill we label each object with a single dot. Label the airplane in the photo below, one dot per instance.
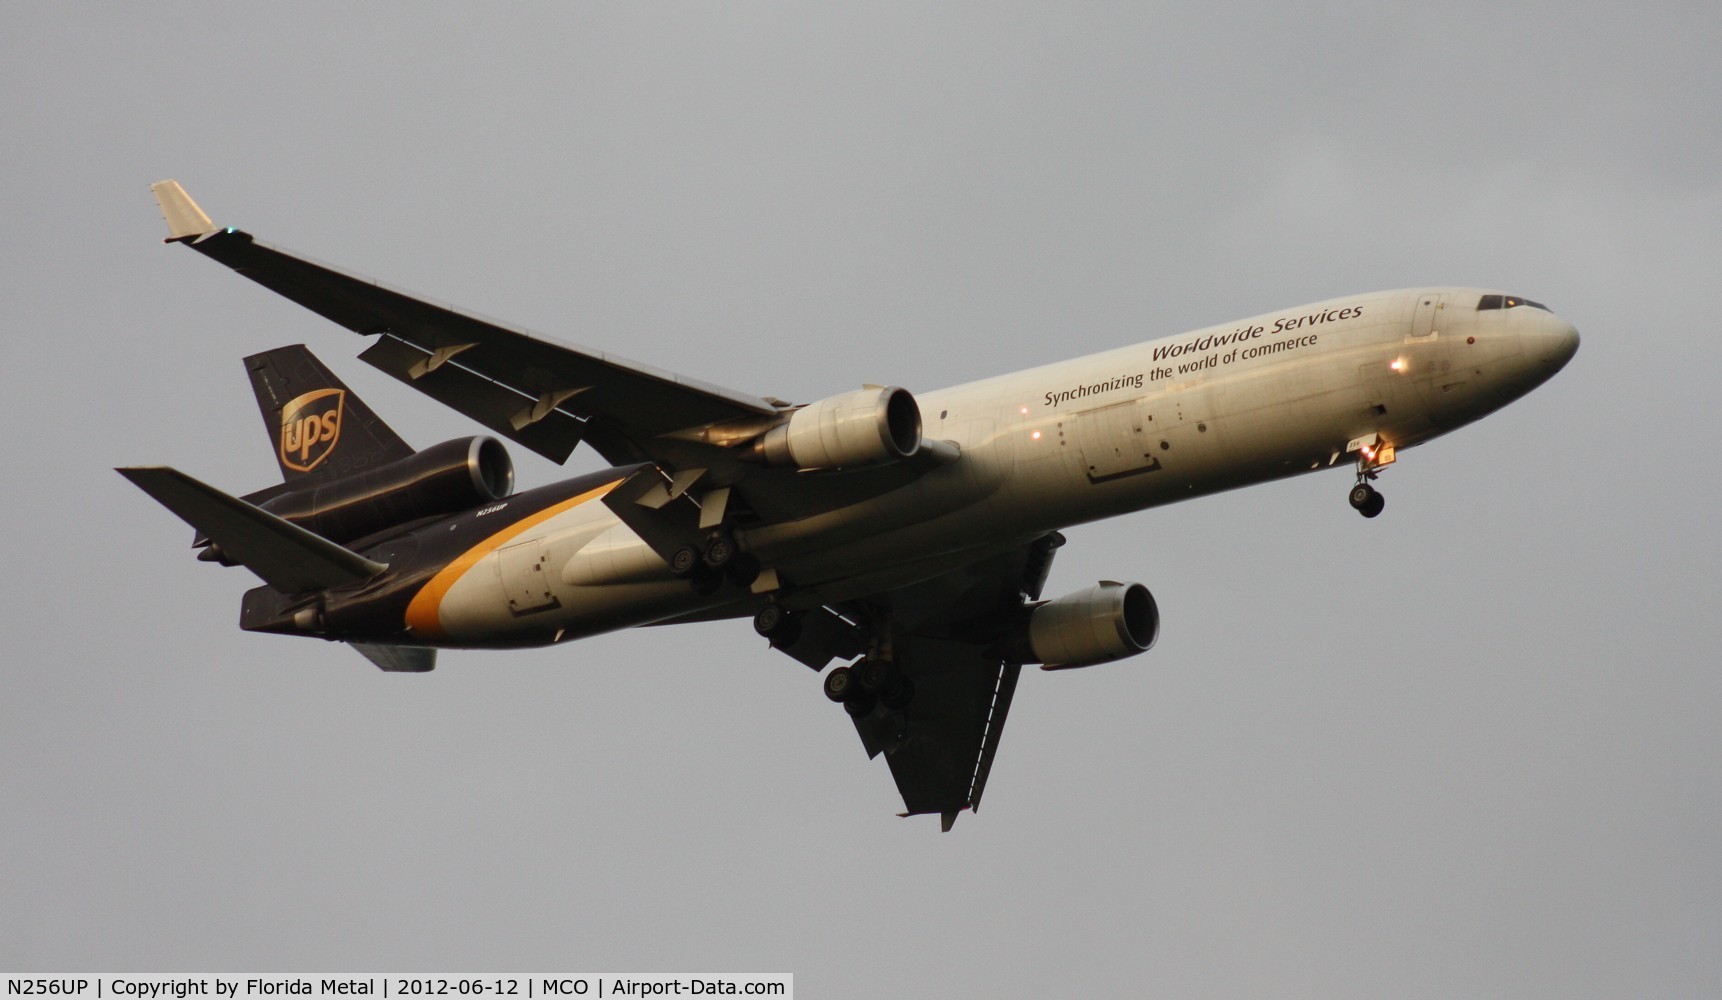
(908, 535)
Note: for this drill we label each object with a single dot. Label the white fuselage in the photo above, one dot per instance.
(1135, 427)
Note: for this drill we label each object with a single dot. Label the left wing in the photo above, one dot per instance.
(944, 637)
(544, 395)
(941, 746)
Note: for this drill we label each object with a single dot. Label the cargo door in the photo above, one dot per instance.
(1115, 440)
(525, 578)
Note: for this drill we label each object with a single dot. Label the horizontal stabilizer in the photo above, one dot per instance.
(184, 219)
(398, 659)
(286, 556)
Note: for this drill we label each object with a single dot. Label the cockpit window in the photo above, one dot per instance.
(1507, 302)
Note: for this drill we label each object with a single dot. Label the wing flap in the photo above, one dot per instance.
(995, 727)
(549, 431)
(664, 527)
(286, 556)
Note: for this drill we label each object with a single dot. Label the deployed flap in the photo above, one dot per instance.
(819, 637)
(398, 659)
(635, 402)
(664, 526)
(554, 434)
(286, 556)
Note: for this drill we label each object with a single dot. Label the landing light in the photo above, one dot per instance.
(1398, 364)
(1035, 435)
(1022, 410)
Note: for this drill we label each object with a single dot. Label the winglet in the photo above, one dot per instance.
(184, 219)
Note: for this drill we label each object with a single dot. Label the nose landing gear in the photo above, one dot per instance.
(1372, 456)
(1366, 500)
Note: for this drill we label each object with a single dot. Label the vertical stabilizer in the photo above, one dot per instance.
(316, 425)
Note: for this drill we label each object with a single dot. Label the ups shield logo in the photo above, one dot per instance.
(311, 427)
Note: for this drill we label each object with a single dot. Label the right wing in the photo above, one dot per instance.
(548, 396)
(544, 395)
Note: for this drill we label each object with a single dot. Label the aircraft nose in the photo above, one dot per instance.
(1553, 343)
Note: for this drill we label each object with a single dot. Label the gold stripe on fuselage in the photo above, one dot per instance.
(423, 615)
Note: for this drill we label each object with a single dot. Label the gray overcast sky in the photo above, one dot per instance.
(1468, 749)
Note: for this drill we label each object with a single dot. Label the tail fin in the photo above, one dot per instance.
(317, 426)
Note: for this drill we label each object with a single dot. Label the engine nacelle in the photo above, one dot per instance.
(442, 479)
(1108, 621)
(863, 427)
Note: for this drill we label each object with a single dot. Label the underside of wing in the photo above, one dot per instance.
(944, 683)
(545, 395)
(940, 747)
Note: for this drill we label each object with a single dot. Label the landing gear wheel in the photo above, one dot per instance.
(1362, 495)
(874, 676)
(720, 551)
(1374, 506)
(899, 691)
(861, 705)
(684, 561)
(767, 620)
(840, 684)
(782, 627)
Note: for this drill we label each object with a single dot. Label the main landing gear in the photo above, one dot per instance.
(708, 565)
(776, 623)
(867, 683)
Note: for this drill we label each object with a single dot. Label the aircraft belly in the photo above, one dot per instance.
(481, 610)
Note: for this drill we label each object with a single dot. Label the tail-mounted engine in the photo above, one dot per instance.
(864, 427)
(442, 479)
(1108, 621)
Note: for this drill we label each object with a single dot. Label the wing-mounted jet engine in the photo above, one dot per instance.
(1106, 622)
(1100, 624)
(865, 427)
